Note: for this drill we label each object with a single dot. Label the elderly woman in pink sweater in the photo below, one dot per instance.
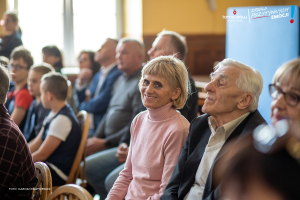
(157, 134)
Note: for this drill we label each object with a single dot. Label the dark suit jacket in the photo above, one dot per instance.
(183, 176)
(190, 109)
(99, 104)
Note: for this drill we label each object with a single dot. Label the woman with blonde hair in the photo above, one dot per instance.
(157, 134)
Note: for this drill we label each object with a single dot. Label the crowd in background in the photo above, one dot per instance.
(145, 139)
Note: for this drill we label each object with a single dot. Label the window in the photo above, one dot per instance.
(42, 24)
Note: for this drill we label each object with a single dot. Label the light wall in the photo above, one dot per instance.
(132, 18)
(194, 16)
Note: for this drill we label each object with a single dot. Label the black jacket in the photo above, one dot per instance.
(183, 176)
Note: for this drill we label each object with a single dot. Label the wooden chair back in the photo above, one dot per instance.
(44, 185)
(70, 191)
(76, 170)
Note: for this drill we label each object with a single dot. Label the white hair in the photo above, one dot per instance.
(249, 81)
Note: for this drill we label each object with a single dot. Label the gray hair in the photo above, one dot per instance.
(4, 83)
(140, 45)
(178, 41)
(249, 81)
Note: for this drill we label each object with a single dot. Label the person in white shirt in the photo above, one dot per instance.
(231, 111)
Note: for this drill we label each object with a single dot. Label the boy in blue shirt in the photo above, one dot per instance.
(59, 138)
(36, 112)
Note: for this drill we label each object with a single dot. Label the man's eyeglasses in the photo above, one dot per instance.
(291, 98)
(16, 67)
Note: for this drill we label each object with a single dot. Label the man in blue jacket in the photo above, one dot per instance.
(96, 98)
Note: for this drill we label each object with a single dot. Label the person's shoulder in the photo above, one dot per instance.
(257, 118)
(200, 119)
(10, 134)
(24, 92)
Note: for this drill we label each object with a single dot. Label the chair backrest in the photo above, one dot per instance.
(76, 170)
(44, 185)
(70, 191)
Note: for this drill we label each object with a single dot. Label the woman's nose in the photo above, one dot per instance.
(279, 101)
(149, 89)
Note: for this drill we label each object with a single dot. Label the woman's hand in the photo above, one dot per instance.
(84, 75)
(122, 152)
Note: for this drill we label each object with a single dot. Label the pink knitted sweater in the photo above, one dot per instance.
(157, 137)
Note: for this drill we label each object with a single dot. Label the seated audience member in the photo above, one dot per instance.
(172, 43)
(16, 166)
(58, 140)
(254, 175)
(88, 68)
(19, 99)
(96, 98)
(4, 61)
(231, 111)
(36, 112)
(158, 134)
(109, 162)
(122, 108)
(53, 56)
(260, 170)
(12, 31)
(166, 43)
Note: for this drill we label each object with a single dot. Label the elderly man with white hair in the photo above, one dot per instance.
(231, 111)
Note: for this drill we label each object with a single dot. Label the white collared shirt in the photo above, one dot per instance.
(104, 71)
(216, 141)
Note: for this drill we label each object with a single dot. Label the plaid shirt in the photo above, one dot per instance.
(17, 171)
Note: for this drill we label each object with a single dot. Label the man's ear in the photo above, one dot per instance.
(245, 101)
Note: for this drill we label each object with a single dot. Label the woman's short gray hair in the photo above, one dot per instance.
(249, 81)
(4, 83)
(174, 71)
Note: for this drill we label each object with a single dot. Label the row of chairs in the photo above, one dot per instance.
(43, 189)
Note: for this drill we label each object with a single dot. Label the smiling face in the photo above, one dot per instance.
(156, 91)
(223, 94)
(279, 108)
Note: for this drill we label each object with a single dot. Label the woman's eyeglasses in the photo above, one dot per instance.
(291, 98)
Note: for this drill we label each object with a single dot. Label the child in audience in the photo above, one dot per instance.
(59, 138)
(36, 112)
(19, 99)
